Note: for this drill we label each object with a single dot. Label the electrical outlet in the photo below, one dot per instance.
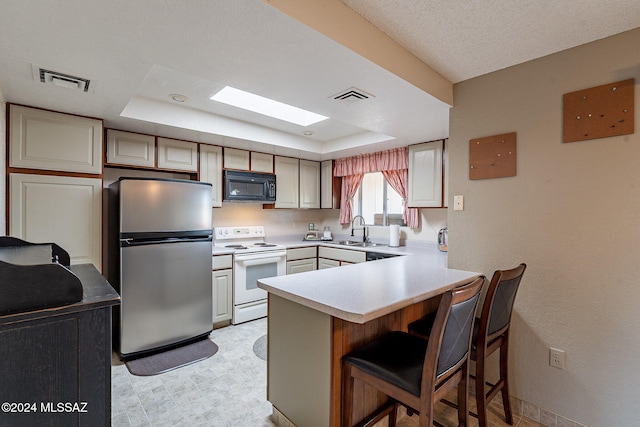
(458, 203)
(557, 358)
(311, 226)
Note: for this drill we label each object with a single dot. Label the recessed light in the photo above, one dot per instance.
(178, 98)
(307, 133)
(265, 106)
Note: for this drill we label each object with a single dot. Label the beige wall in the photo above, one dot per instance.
(572, 214)
(293, 222)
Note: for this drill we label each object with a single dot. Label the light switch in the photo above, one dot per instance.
(458, 203)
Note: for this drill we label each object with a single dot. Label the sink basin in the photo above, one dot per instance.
(354, 243)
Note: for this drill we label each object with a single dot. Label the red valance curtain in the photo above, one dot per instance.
(394, 159)
(394, 167)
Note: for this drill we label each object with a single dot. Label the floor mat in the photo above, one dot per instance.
(260, 347)
(172, 359)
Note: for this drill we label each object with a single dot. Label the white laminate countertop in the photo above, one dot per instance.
(362, 292)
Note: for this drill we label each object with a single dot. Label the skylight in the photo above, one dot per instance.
(268, 107)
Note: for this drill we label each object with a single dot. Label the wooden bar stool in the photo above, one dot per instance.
(490, 333)
(414, 371)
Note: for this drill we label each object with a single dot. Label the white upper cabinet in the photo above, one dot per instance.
(287, 184)
(309, 184)
(40, 139)
(330, 195)
(261, 162)
(177, 155)
(60, 209)
(131, 149)
(425, 175)
(211, 171)
(236, 159)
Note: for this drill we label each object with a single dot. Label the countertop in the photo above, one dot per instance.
(362, 292)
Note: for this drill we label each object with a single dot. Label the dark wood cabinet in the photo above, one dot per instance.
(55, 364)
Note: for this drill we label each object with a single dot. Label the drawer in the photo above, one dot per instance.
(342, 254)
(301, 253)
(222, 261)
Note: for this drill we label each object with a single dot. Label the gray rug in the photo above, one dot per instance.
(172, 359)
(260, 347)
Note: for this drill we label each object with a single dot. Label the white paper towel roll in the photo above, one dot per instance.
(394, 235)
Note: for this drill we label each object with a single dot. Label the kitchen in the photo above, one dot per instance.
(578, 201)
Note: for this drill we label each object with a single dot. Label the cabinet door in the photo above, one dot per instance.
(60, 209)
(329, 187)
(236, 159)
(177, 155)
(211, 171)
(261, 162)
(309, 184)
(327, 263)
(287, 173)
(425, 175)
(126, 148)
(302, 265)
(40, 139)
(222, 290)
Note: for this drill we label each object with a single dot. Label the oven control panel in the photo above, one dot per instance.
(227, 233)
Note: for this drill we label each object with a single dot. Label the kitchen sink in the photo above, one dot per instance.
(354, 243)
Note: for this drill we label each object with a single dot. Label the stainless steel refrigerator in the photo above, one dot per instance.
(163, 262)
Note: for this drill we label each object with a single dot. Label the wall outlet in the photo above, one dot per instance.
(557, 358)
(311, 226)
(458, 203)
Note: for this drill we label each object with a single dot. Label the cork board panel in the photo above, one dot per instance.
(492, 156)
(598, 112)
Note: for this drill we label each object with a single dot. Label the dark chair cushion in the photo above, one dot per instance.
(397, 358)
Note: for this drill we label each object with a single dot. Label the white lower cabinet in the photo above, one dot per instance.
(342, 256)
(327, 263)
(303, 259)
(222, 288)
(302, 265)
(59, 209)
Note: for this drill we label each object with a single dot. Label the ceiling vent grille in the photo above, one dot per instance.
(63, 80)
(351, 95)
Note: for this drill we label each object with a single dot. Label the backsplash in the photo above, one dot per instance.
(287, 222)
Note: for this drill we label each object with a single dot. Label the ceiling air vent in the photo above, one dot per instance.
(63, 80)
(351, 95)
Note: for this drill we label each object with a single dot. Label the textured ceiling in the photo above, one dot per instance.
(463, 39)
(138, 53)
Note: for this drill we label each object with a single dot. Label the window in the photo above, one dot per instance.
(378, 202)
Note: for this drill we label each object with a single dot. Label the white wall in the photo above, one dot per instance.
(572, 214)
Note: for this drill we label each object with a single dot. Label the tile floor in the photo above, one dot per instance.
(226, 390)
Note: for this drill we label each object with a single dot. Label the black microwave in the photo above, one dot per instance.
(240, 186)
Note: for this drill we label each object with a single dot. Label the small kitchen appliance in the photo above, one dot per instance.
(443, 239)
(253, 259)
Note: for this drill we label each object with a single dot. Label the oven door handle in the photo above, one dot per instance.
(261, 255)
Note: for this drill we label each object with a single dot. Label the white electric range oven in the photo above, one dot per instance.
(253, 259)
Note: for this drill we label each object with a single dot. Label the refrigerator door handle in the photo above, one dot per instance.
(134, 242)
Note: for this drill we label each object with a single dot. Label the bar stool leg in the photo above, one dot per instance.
(504, 365)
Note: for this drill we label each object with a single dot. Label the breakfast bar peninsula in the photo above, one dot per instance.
(317, 317)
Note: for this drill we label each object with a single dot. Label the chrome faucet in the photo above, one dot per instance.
(365, 239)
